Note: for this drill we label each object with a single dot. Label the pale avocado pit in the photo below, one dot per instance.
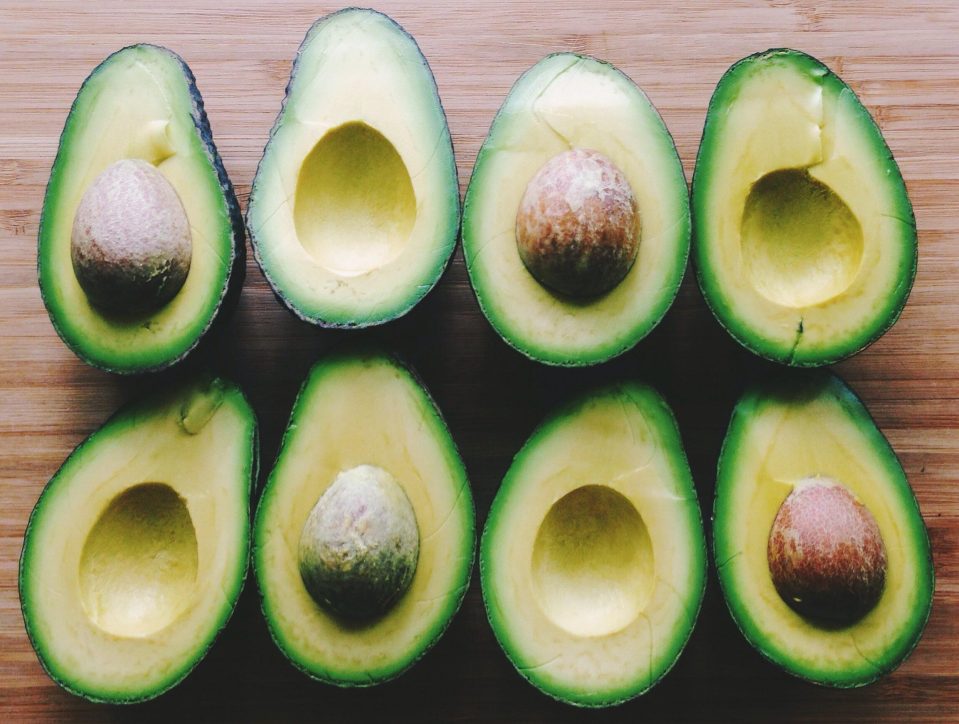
(139, 562)
(360, 544)
(576, 228)
(801, 243)
(592, 565)
(131, 243)
(826, 555)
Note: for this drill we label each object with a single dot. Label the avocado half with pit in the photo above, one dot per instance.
(137, 550)
(593, 559)
(576, 220)
(804, 236)
(354, 209)
(364, 534)
(141, 240)
(819, 543)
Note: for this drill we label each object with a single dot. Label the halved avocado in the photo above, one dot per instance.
(565, 102)
(363, 412)
(355, 205)
(804, 236)
(141, 103)
(137, 549)
(593, 559)
(782, 433)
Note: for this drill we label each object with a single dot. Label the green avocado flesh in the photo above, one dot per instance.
(593, 559)
(804, 238)
(354, 209)
(781, 434)
(364, 409)
(141, 103)
(137, 549)
(569, 101)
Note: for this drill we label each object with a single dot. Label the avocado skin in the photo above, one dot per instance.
(423, 290)
(798, 385)
(905, 284)
(359, 351)
(231, 293)
(131, 410)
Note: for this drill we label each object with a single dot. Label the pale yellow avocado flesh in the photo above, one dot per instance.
(132, 557)
(137, 106)
(817, 438)
(350, 413)
(351, 201)
(806, 242)
(568, 101)
(594, 563)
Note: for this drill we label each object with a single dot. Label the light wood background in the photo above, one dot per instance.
(901, 57)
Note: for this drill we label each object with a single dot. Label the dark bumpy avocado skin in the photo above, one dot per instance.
(801, 386)
(756, 346)
(131, 411)
(424, 289)
(231, 292)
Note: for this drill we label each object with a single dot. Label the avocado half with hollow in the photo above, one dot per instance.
(820, 546)
(804, 238)
(593, 559)
(364, 535)
(576, 221)
(136, 551)
(141, 240)
(354, 209)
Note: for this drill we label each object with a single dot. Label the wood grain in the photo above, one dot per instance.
(903, 60)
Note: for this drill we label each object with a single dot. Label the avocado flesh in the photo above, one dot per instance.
(137, 550)
(781, 433)
(354, 209)
(364, 409)
(804, 236)
(141, 103)
(569, 101)
(593, 559)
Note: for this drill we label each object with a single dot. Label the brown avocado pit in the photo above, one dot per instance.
(826, 555)
(360, 544)
(131, 243)
(577, 224)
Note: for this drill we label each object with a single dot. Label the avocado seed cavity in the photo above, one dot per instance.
(826, 555)
(577, 229)
(360, 544)
(131, 243)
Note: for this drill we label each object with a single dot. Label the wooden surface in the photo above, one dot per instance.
(903, 62)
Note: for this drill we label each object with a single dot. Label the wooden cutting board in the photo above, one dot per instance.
(902, 59)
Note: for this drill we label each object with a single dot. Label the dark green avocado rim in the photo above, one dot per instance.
(127, 417)
(443, 260)
(236, 271)
(661, 416)
(602, 353)
(801, 385)
(349, 355)
(750, 338)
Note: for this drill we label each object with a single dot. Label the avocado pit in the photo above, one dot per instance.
(826, 554)
(577, 224)
(131, 243)
(359, 547)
